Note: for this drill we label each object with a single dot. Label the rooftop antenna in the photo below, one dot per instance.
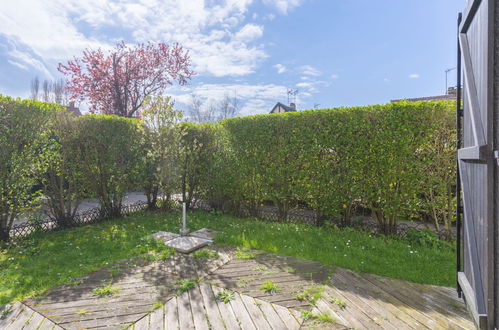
(292, 92)
(446, 73)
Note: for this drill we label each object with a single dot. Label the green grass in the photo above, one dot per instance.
(269, 287)
(184, 286)
(50, 259)
(205, 254)
(311, 294)
(341, 303)
(317, 317)
(105, 291)
(225, 295)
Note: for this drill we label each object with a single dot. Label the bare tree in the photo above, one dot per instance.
(228, 107)
(46, 89)
(35, 87)
(195, 111)
(58, 89)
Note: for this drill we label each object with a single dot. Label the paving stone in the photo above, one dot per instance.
(187, 244)
(164, 236)
(205, 233)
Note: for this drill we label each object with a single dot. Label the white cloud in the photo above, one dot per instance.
(280, 68)
(283, 6)
(414, 76)
(249, 32)
(309, 70)
(212, 30)
(335, 76)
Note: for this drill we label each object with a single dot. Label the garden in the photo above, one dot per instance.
(389, 163)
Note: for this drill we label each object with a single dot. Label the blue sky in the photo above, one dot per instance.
(335, 52)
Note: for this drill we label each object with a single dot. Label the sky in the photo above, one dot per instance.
(334, 52)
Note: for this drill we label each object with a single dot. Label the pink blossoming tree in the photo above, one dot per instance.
(118, 81)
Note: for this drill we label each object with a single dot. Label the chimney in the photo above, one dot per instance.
(292, 106)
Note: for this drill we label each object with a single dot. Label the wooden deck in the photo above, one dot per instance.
(146, 296)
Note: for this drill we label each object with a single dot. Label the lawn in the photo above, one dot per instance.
(50, 259)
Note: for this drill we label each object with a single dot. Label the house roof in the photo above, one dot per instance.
(285, 107)
(73, 110)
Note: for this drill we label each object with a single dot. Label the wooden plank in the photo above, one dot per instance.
(143, 323)
(287, 317)
(241, 313)
(20, 321)
(34, 322)
(211, 306)
(171, 314)
(367, 302)
(184, 312)
(226, 312)
(255, 312)
(16, 309)
(158, 319)
(270, 314)
(411, 305)
(198, 312)
(350, 321)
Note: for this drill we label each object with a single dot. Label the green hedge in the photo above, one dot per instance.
(396, 160)
(23, 142)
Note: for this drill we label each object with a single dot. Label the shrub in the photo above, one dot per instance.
(110, 151)
(23, 143)
(382, 157)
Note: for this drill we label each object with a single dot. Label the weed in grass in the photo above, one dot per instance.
(260, 268)
(317, 317)
(82, 312)
(225, 295)
(104, 291)
(205, 254)
(74, 281)
(5, 311)
(184, 286)
(341, 303)
(290, 269)
(243, 282)
(310, 294)
(244, 254)
(269, 287)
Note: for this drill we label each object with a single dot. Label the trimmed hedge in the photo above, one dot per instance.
(381, 157)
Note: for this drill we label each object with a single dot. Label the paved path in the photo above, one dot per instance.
(145, 295)
(92, 203)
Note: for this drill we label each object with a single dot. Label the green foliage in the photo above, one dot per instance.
(310, 294)
(63, 181)
(110, 151)
(269, 287)
(396, 160)
(205, 254)
(24, 139)
(184, 286)
(341, 303)
(425, 237)
(225, 295)
(197, 149)
(244, 254)
(104, 291)
(161, 173)
(317, 317)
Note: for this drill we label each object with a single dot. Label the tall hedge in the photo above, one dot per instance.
(23, 143)
(395, 159)
(111, 153)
